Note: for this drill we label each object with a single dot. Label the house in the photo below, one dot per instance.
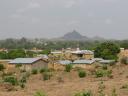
(60, 65)
(29, 63)
(123, 52)
(83, 63)
(83, 54)
(57, 53)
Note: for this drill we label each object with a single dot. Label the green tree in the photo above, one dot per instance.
(107, 50)
(17, 53)
(46, 51)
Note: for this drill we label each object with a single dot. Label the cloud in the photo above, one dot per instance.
(19, 12)
(31, 5)
(108, 21)
(70, 3)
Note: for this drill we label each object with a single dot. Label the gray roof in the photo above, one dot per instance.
(83, 52)
(24, 60)
(65, 62)
(97, 59)
(107, 61)
(83, 61)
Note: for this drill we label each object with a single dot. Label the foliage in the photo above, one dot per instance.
(18, 65)
(34, 71)
(82, 74)
(40, 93)
(125, 86)
(23, 79)
(68, 68)
(46, 51)
(107, 50)
(102, 73)
(114, 92)
(12, 80)
(42, 70)
(3, 55)
(104, 67)
(22, 85)
(30, 54)
(47, 76)
(17, 53)
(85, 93)
(2, 67)
(101, 89)
(124, 60)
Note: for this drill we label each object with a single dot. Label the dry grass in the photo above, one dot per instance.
(72, 84)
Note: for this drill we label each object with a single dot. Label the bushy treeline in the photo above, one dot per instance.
(54, 44)
(16, 53)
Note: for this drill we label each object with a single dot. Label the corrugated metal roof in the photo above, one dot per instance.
(107, 61)
(83, 61)
(98, 59)
(24, 60)
(83, 52)
(65, 62)
(56, 52)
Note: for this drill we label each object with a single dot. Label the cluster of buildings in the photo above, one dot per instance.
(59, 58)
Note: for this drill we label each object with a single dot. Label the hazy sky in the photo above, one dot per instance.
(53, 18)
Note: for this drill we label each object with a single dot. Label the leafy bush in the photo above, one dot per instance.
(124, 86)
(124, 60)
(2, 67)
(22, 85)
(23, 79)
(86, 93)
(12, 80)
(44, 70)
(68, 68)
(34, 71)
(82, 74)
(18, 65)
(99, 73)
(104, 67)
(47, 76)
(102, 73)
(40, 93)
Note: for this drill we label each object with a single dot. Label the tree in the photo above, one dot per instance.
(107, 50)
(18, 53)
(46, 51)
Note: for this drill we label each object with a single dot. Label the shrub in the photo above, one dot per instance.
(102, 73)
(18, 65)
(12, 80)
(68, 68)
(104, 67)
(23, 79)
(114, 92)
(2, 67)
(47, 76)
(40, 93)
(27, 74)
(44, 70)
(124, 60)
(82, 74)
(99, 73)
(22, 85)
(124, 86)
(86, 93)
(34, 71)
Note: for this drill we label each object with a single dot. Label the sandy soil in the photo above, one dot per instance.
(72, 84)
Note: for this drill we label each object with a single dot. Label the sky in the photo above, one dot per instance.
(54, 18)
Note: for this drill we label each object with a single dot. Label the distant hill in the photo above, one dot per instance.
(76, 36)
